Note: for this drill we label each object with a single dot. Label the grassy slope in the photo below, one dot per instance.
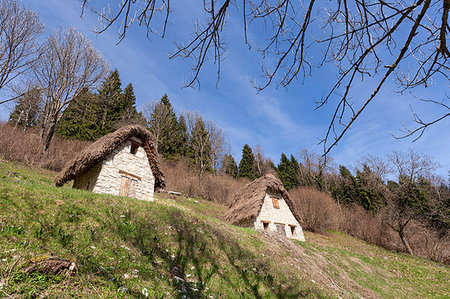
(176, 247)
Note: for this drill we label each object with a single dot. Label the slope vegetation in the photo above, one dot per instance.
(179, 247)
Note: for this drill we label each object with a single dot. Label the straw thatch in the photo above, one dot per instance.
(97, 151)
(247, 202)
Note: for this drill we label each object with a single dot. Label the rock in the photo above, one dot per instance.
(174, 193)
(49, 265)
(178, 278)
(145, 292)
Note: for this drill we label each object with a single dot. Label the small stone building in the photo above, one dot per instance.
(121, 163)
(265, 205)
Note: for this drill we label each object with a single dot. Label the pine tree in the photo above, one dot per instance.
(110, 99)
(229, 166)
(287, 172)
(80, 119)
(163, 124)
(182, 146)
(246, 163)
(26, 111)
(128, 111)
(295, 165)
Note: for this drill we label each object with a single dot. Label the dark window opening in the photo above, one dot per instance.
(292, 229)
(266, 225)
(134, 147)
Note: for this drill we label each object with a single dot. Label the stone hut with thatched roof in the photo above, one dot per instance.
(265, 205)
(121, 163)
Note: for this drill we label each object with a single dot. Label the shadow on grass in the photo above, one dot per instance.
(200, 255)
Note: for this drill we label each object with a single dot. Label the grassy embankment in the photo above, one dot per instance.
(175, 247)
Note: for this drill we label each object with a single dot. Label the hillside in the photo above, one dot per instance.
(179, 247)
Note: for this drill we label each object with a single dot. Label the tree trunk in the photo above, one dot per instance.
(401, 233)
(49, 131)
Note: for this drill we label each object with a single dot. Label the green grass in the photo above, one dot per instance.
(179, 247)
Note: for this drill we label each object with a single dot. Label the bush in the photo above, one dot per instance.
(318, 210)
(182, 178)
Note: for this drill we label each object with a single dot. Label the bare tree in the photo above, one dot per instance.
(404, 41)
(313, 169)
(412, 165)
(262, 164)
(405, 201)
(158, 118)
(200, 143)
(28, 105)
(379, 166)
(220, 146)
(68, 64)
(19, 29)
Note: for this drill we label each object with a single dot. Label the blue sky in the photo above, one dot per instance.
(280, 120)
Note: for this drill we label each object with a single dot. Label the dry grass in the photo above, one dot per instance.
(25, 147)
(218, 188)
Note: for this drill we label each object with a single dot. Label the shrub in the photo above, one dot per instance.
(218, 188)
(318, 210)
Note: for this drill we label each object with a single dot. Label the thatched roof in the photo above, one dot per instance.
(247, 202)
(98, 150)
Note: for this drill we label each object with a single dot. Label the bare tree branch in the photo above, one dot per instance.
(19, 29)
(399, 40)
(68, 64)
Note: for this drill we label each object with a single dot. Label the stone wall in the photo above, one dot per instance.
(121, 162)
(281, 216)
(88, 180)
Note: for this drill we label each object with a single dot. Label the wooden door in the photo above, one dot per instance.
(132, 188)
(124, 186)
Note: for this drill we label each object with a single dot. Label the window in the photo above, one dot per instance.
(275, 203)
(292, 229)
(265, 225)
(281, 228)
(134, 147)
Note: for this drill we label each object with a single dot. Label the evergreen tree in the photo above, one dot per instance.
(163, 124)
(128, 111)
(287, 172)
(80, 119)
(90, 116)
(370, 189)
(26, 111)
(295, 165)
(182, 146)
(109, 108)
(229, 166)
(246, 163)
